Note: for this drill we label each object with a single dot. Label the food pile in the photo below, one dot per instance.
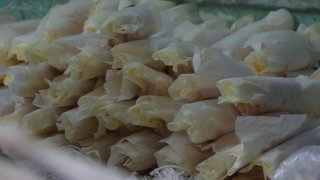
(153, 86)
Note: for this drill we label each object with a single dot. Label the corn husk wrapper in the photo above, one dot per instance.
(257, 134)
(110, 113)
(135, 152)
(101, 80)
(64, 91)
(271, 159)
(94, 104)
(161, 4)
(206, 59)
(91, 103)
(148, 80)
(182, 69)
(120, 87)
(98, 14)
(223, 19)
(8, 101)
(177, 55)
(180, 151)
(115, 116)
(131, 23)
(183, 12)
(256, 94)
(240, 23)
(27, 80)
(216, 166)
(100, 146)
(40, 99)
(204, 120)
(61, 52)
(21, 47)
(172, 17)
(224, 143)
(139, 52)
(214, 23)
(151, 111)
(193, 87)
(63, 20)
(210, 66)
(113, 82)
(276, 130)
(128, 91)
(101, 130)
(22, 108)
(197, 35)
(36, 53)
(220, 164)
(3, 75)
(278, 52)
(42, 120)
(313, 34)
(77, 127)
(8, 32)
(232, 45)
(90, 63)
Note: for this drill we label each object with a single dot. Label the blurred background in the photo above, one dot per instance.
(306, 12)
(27, 9)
